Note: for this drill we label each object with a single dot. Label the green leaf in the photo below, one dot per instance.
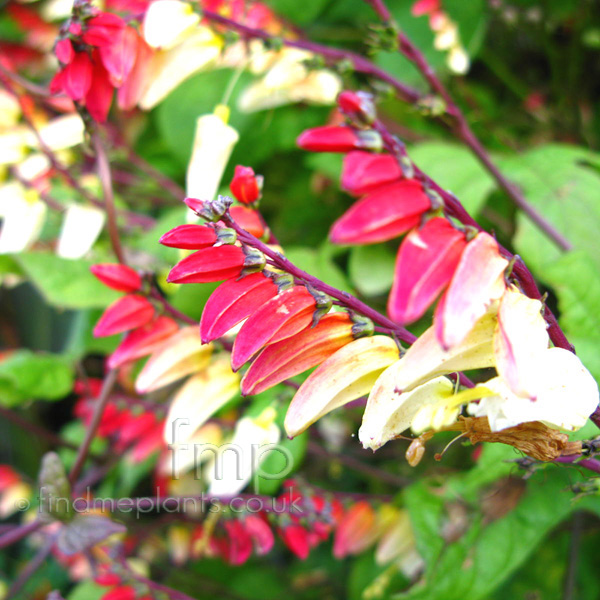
(557, 180)
(25, 376)
(455, 169)
(471, 20)
(472, 567)
(298, 12)
(88, 590)
(319, 264)
(65, 283)
(576, 279)
(371, 269)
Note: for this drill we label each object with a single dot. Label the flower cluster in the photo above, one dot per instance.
(482, 319)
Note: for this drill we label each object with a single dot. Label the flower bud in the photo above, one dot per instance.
(118, 277)
(245, 185)
(362, 326)
(189, 237)
(357, 106)
(339, 139)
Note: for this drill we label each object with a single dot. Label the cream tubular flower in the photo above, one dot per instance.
(213, 144)
(81, 227)
(23, 215)
(566, 394)
(168, 22)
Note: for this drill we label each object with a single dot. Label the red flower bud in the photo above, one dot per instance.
(209, 264)
(338, 139)
(427, 259)
(107, 579)
(296, 538)
(123, 592)
(189, 237)
(77, 76)
(102, 29)
(64, 51)
(126, 313)
(384, 214)
(240, 542)
(248, 219)
(118, 277)
(245, 185)
(365, 171)
(358, 106)
(277, 319)
(99, 97)
(142, 341)
(232, 302)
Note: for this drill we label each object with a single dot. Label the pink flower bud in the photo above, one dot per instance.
(338, 139)
(365, 171)
(118, 277)
(356, 531)
(245, 185)
(382, 215)
(118, 57)
(427, 259)
(102, 29)
(77, 76)
(64, 51)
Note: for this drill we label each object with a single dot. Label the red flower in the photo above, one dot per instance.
(277, 319)
(356, 531)
(64, 51)
(297, 354)
(189, 237)
(338, 139)
(118, 57)
(240, 543)
(232, 302)
(249, 219)
(142, 341)
(208, 264)
(99, 96)
(425, 264)
(123, 592)
(364, 171)
(118, 277)
(245, 185)
(382, 215)
(76, 77)
(102, 29)
(126, 313)
(296, 538)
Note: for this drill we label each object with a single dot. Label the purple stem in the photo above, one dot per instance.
(347, 300)
(17, 534)
(465, 133)
(588, 463)
(101, 402)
